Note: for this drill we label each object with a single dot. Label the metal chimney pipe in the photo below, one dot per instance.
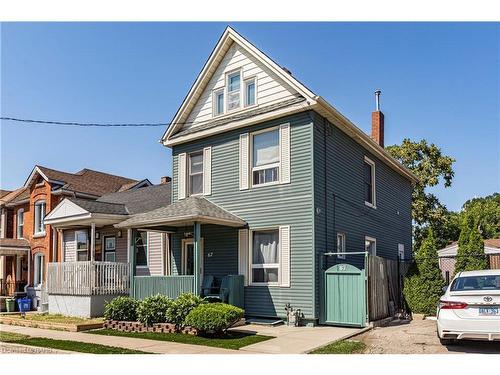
(377, 100)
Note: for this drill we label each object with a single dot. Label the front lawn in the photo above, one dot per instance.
(233, 340)
(58, 318)
(341, 347)
(73, 346)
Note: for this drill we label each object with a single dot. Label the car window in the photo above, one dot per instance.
(487, 282)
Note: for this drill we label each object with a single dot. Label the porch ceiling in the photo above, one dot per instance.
(182, 213)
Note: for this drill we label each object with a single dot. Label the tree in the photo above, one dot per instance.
(470, 254)
(431, 167)
(423, 284)
(487, 213)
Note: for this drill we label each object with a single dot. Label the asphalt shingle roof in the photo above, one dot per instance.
(100, 207)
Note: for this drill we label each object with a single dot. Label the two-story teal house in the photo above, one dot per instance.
(267, 177)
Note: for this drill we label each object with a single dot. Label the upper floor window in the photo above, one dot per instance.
(265, 157)
(20, 222)
(369, 182)
(39, 227)
(233, 90)
(195, 173)
(218, 102)
(250, 92)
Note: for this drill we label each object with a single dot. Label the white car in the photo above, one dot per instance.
(470, 308)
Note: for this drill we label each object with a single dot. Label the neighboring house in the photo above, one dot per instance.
(447, 257)
(27, 244)
(268, 177)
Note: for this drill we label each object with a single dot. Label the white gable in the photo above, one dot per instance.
(271, 89)
(65, 209)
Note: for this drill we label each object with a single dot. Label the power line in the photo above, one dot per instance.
(84, 124)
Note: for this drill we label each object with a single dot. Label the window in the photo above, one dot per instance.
(110, 249)
(218, 102)
(39, 216)
(482, 282)
(369, 182)
(196, 173)
(250, 92)
(265, 256)
(341, 245)
(233, 91)
(401, 251)
(82, 245)
(20, 222)
(38, 269)
(265, 157)
(371, 245)
(141, 249)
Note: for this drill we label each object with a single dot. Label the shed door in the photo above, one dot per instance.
(345, 296)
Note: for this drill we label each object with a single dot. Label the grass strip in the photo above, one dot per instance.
(342, 347)
(233, 340)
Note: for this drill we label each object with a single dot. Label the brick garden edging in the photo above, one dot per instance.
(125, 326)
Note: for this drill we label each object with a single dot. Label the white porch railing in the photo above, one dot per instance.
(88, 278)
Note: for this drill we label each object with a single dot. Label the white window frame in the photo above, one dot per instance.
(38, 269)
(76, 244)
(226, 101)
(374, 240)
(215, 93)
(20, 214)
(266, 265)
(374, 190)
(147, 253)
(105, 250)
(40, 217)
(341, 237)
(185, 242)
(188, 174)
(245, 82)
(267, 166)
(401, 251)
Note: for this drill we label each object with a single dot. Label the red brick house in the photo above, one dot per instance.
(26, 243)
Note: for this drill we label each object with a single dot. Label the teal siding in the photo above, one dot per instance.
(270, 206)
(339, 199)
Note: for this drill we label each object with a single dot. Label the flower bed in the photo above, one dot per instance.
(125, 326)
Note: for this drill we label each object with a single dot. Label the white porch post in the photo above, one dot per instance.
(29, 267)
(197, 257)
(54, 245)
(92, 242)
(131, 259)
(61, 241)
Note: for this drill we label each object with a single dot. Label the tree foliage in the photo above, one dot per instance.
(486, 212)
(470, 254)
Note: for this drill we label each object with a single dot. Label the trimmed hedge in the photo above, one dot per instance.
(153, 309)
(181, 306)
(121, 308)
(213, 317)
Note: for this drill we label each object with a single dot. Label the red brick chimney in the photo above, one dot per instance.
(165, 180)
(378, 121)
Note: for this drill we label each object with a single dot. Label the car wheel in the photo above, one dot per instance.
(447, 342)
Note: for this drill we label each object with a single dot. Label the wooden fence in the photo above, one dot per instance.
(88, 278)
(170, 286)
(383, 287)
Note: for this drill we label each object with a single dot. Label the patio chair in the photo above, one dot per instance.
(223, 294)
(207, 285)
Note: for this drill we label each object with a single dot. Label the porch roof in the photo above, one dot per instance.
(13, 246)
(184, 212)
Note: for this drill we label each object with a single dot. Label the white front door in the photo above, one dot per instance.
(188, 258)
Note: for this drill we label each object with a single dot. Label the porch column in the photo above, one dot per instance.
(92, 242)
(131, 259)
(197, 257)
(54, 244)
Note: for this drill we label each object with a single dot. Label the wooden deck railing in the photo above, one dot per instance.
(88, 278)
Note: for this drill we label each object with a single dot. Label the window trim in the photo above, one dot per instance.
(38, 273)
(184, 242)
(343, 236)
(226, 90)
(188, 174)
(215, 92)
(251, 266)
(147, 252)
(401, 246)
(42, 232)
(267, 166)
(245, 81)
(372, 239)
(76, 244)
(18, 213)
(374, 190)
(105, 251)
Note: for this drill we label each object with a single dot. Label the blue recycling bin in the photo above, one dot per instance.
(24, 304)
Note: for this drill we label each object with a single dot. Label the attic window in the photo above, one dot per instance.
(218, 104)
(233, 90)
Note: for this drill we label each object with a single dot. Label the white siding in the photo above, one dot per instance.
(270, 88)
(155, 250)
(69, 246)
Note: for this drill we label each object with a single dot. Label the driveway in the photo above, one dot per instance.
(417, 337)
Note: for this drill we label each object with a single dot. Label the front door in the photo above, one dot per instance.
(188, 257)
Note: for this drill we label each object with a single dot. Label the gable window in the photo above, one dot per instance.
(369, 182)
(371, 245)
(218, 104)
(196, 173)
(341, 245)
(39, 227)
(141, 249)
(38, 269)
(82, 245)
(20, 223)
(265, 256)
(233, 90)
(265, 157)
(250, 92)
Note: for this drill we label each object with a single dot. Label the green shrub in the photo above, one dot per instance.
(153, 309)
(181, 306)
(213, 317)
(121, 308)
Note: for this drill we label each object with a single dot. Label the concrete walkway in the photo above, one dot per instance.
(294, 340)
(151, 346)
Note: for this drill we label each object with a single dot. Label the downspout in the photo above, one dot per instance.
(325, 185)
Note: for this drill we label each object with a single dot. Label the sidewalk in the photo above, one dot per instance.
(151, 346)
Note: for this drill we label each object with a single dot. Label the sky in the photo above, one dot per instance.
(439, 81)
